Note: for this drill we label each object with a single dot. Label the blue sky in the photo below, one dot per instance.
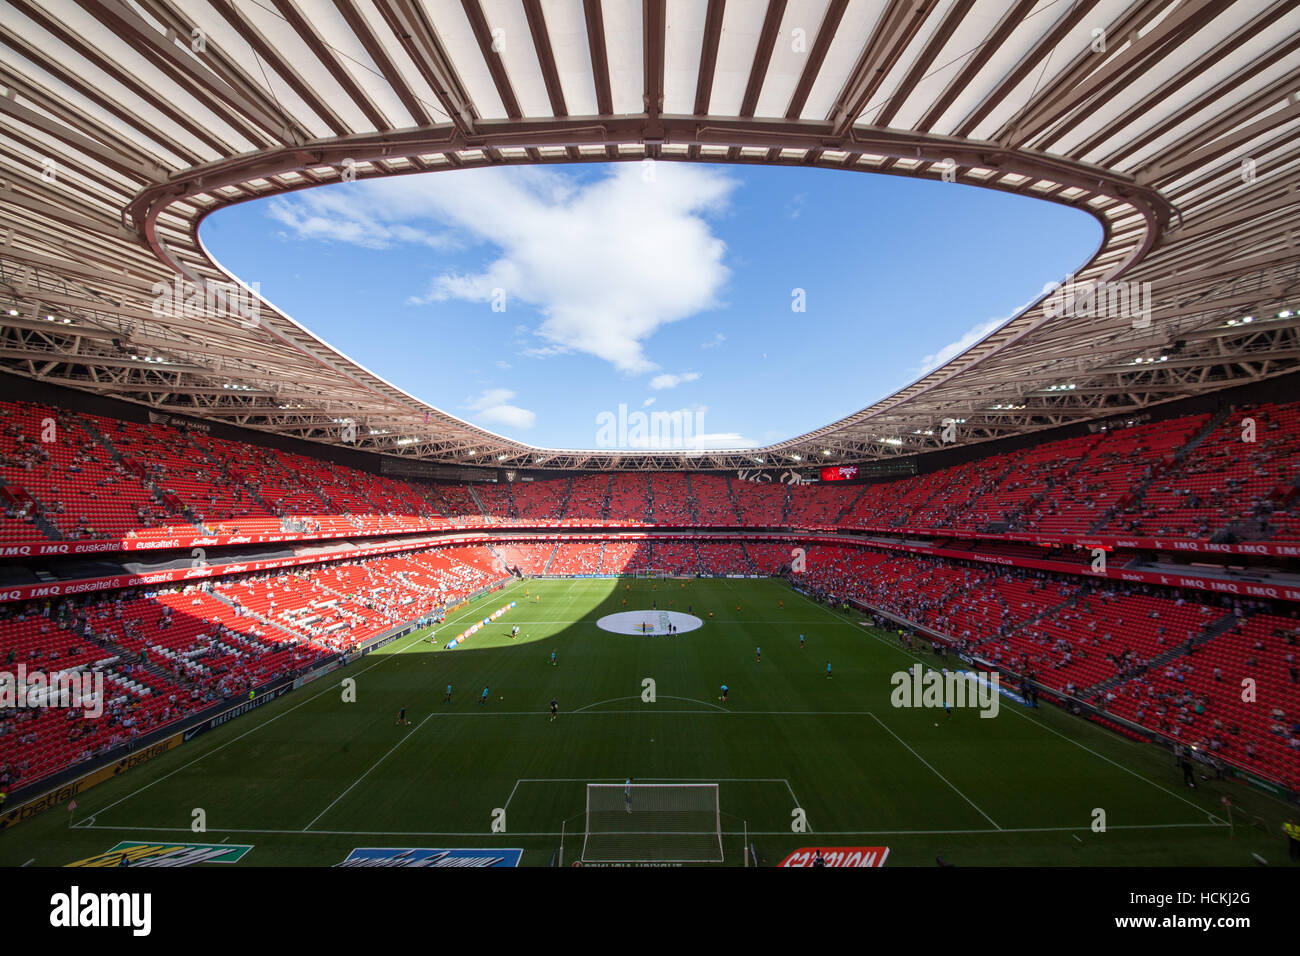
(529, 300)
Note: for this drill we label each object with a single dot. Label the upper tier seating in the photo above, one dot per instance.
(103, 478)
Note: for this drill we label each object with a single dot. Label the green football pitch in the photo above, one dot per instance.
(799, 759)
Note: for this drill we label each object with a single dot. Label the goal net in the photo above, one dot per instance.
(653, 823)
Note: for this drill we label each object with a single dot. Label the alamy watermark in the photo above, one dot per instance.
(182, 298)
(68, 689)
(946, 689)
(1099, 299)
(638, 429)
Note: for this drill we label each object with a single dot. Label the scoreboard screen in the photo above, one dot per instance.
(839, 472)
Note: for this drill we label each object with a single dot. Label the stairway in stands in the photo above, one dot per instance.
(609, 503)
(749, 560)
(1137, 493)
(21, 497)
(852, 502)
(735, 502)
(289, 632)
(1212, 630)
(1030, 506)
(139, 472)
(568, 494)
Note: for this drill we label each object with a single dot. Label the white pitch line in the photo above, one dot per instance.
(936, 772)
(325, 690)
(1128, 770)
(614, 700)
(1039, 723)
(389, 753)
(797, 805)
(481, 834)
(791, 789)
(653, 780)
(506, 805)
(665, 713)
(593, 620)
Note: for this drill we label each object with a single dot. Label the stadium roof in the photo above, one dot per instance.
(123, 123)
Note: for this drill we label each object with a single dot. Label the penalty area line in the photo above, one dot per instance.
(935, 772)
(387, 754)
(615, 700)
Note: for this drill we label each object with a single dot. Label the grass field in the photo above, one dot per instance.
(309, 777)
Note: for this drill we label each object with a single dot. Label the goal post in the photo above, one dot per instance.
(653, 823)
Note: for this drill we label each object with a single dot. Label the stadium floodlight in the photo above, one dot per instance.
(652, 823)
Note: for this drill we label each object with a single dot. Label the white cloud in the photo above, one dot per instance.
(666, 380)
(606, 263)
(648, 402)
(492, 405)
(335, 216)
(714, 342)
(950, 351)
(723, 440)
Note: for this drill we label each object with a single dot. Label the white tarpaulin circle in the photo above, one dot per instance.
(648, 623)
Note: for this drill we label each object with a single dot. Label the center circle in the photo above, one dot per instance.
(650, 623)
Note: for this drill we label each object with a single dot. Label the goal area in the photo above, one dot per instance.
(652, 823)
